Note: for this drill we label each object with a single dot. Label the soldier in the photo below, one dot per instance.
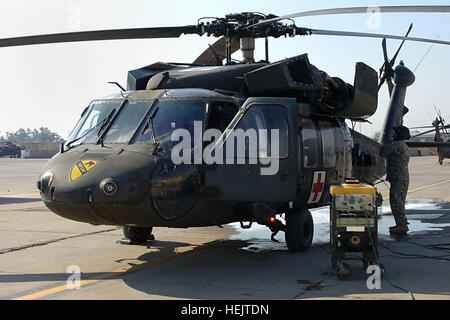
(397, 155)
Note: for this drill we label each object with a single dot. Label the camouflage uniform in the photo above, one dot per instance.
(397, 155)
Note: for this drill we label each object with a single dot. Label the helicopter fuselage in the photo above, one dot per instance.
(119, 174)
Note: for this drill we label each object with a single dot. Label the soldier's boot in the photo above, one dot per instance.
(399, 230)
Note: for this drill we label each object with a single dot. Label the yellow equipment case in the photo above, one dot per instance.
(353, 225)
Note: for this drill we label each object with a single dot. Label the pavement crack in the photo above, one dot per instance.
(37, 231)
(43, 243)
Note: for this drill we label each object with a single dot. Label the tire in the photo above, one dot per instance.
(137, 234)
(299, 230)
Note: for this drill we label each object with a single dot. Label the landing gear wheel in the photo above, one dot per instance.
(299, 230)
(343, 270)
(138, 235)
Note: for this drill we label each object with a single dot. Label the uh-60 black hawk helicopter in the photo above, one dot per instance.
(441, 136)
(117, 168)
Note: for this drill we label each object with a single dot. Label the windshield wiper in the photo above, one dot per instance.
(107, 120)
(103, 124)
(156, 145)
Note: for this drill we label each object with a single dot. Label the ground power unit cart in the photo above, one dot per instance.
(353, 225)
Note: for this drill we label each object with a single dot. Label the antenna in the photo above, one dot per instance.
(117, 84)
(424, 56)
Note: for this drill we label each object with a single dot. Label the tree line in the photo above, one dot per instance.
(36, 135)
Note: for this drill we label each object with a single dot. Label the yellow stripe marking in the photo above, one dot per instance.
(429, 186)
(110, 275)
(425, 187)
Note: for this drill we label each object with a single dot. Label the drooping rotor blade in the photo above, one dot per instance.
(418, 144)
(370, 10)
(219, 47)
(118, 34)
(423, 127)
(422, 133)
(373, 35)
(429, 131)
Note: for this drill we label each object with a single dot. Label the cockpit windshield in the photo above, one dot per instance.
(92, 121)
(166, 116)
(127, 121)
(118, 121)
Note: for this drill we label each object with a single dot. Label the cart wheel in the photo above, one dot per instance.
(343, 270)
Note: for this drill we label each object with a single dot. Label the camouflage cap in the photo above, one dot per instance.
(402, 133)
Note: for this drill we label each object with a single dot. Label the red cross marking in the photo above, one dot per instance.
(317, 187)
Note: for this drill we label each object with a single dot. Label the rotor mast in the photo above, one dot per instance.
(247, 46)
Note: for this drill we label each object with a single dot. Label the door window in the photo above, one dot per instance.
(256, 133)
(310, 144)
(328, 144)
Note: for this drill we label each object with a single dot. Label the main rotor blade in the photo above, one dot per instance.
(385, 68)
(429, 131)
(373, 35)
(369, 10)
(385, 55)
(137, 33)
(422, 127)
(418, 144)
(219, 47)
(401, 45)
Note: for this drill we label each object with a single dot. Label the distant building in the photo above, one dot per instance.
(40, 149)
(414, 152)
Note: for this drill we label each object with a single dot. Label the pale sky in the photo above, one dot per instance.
(50, 85)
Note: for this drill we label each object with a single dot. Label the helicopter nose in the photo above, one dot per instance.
(111, 191)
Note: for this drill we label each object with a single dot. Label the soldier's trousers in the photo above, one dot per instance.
(397, 198)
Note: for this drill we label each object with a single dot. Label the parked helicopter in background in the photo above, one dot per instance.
(441, 136)
(117, 167)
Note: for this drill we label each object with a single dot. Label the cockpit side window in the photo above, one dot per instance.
(310, 144)
(220, 115)
(262, 130)
(168, 116)
(328, 144)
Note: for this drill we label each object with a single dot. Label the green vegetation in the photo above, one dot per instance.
(36, 135)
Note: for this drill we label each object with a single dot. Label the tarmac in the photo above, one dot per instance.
(41, 254)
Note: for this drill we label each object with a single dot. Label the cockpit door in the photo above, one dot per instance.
(255, 159)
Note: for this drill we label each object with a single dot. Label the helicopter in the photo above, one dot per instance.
(441, 136)
(443, 152)
(219, 141)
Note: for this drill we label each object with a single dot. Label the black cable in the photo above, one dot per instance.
(417, 256)
(434, 246)
(378, 259)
